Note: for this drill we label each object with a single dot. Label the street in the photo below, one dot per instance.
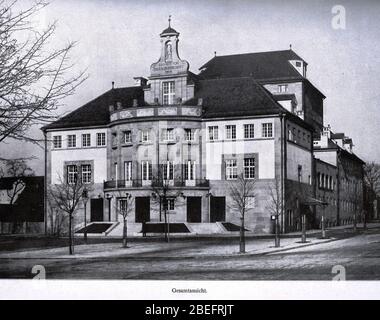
(359, 254)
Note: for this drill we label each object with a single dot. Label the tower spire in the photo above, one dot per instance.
(170, 19)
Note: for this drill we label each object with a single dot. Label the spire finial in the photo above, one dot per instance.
(170, 19)
(290, 46)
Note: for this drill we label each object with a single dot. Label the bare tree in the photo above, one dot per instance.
(242, 192)
(33, 77)
(275, 207)
(56, 217)
(66, 197)
(372, 176)
(123, 207)
(17, 169)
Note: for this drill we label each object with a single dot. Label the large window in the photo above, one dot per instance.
(101, 139)
(231, 169)
(267, 130)
(57, 142)
(168, 92)
(230, 132)
(249, 168)
(189, 134)
(168, 171)
(86, 173)
(146, 170)
(145, 136)
(189, 170)
(71, 141)
(249, 131)
(168, 134)
(128, 136)
(72, 174)
(128, 170)
(213, 133)
(86, 140)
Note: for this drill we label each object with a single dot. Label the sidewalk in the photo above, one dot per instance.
(220, 246)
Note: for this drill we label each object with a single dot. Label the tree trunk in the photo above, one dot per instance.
(303, 221)
(71, 251)
(125, 244)
(242, 236)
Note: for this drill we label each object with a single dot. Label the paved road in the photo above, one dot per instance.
(359, 254)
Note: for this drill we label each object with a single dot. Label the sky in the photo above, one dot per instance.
(118, 40)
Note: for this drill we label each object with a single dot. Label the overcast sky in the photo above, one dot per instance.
(118, 40)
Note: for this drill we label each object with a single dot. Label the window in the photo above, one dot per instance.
(169, 204)
(57, 142)
(86, 173)
(145, 136)
(128, 170)
(168, 92)
(168, 134)
(299, 173)
(72, 174)
(231, 169)
(189, 170)
(267, 131)
(101, 139)
(298, 64)
(319, 180)
(213, 133)
(290, 135)
(189, 134)
(128, 136)
(71, 141)
(146, 170)
(249, 131)
(249, 168)
(86, 140)
(230, 132)
(167, 171)
(283, 88)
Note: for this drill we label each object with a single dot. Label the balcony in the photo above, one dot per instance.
(139, 183)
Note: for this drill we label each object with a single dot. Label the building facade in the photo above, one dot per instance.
(255, 115)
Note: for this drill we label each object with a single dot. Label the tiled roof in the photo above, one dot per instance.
(96, 112)
(231, 97)
(260, 65)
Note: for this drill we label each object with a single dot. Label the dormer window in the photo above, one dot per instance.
(298, 63)
(282, 88)
(168, 92)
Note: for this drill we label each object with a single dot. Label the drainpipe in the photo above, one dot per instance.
(282, 171)
(45, 185)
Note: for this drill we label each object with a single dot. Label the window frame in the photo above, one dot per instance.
(249, 131)
(190, 137)
(87, 174)
(71, 176)
(101, 140)
(71, 141)
(267, 127)
(86, 137)
(249, 168)
(57, 139)
(231, 169)
(146, 170)
(168, 93)
(128, 136)
(213, 133)
(230, 131)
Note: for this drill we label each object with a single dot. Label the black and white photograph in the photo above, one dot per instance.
(189, 140)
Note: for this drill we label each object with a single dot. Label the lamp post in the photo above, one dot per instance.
(85, 199)
(109, 198)
(276, 230)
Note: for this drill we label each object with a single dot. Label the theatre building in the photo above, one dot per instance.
(253, 114)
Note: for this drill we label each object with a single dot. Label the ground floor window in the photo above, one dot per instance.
(168, 171)
(231, 169)
(249, 168)
(189, 170)
(128, 170)
(86, 173)
(72, 174)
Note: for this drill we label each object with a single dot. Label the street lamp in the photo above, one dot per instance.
(85, 199)
(109, 198)
(274, 217)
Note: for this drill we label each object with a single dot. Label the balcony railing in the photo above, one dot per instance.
(139, 183)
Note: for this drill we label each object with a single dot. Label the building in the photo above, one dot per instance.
(22, 204)
(252, 114)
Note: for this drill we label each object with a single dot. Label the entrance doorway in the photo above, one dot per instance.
(217, 209)
(194, 209)
(142, 212)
